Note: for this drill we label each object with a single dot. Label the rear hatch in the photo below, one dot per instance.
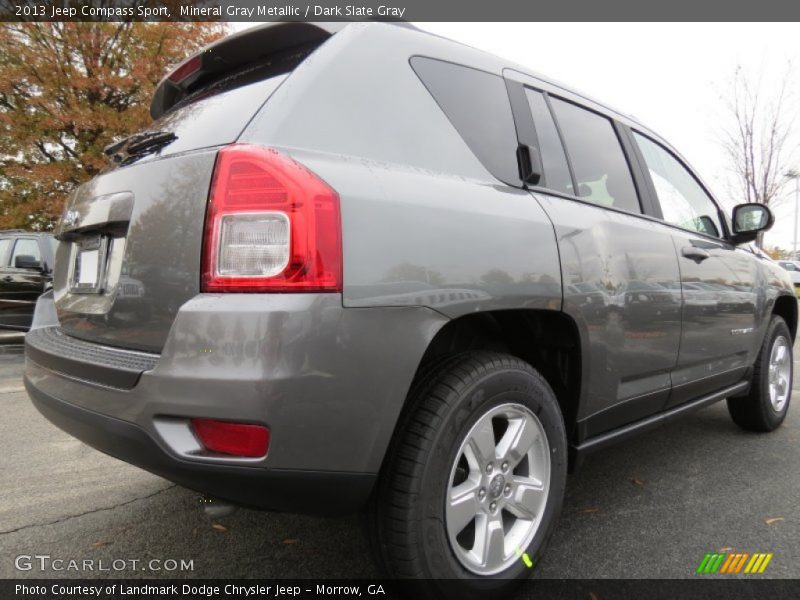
(130, 240)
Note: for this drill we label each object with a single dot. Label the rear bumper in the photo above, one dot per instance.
(311, 492)
(329, 382)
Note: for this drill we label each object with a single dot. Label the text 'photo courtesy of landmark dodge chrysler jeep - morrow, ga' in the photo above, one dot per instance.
(378, 270)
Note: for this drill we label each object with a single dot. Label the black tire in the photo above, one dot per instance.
(407, 517)
(755, 411)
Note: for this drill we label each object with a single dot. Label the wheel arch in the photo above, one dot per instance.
(548, 340)
(786, 307)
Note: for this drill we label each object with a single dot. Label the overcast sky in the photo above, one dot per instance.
(670, 76)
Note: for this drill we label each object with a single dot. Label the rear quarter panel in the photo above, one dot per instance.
(424, 223)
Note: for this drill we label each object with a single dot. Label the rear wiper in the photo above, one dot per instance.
(138, 144)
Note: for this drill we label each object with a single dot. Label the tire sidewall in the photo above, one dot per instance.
(777, 328)
(493, 389)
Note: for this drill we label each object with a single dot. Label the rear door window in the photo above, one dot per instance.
(477, 105)
(601, 170)
(554, 160)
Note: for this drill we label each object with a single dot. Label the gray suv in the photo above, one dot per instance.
(360, 267)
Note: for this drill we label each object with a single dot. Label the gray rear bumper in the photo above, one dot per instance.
(329, 382)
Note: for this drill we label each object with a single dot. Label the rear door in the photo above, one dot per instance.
(21, 287)
(614, 260)
(719, 281)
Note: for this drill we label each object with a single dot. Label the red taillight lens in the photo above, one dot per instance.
(272, 226)
(236, 439)
(183, 71)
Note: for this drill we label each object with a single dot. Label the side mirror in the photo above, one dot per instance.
(749, 220)
(24, 261)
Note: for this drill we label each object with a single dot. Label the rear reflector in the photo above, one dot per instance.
(272, 226)
(236, 439)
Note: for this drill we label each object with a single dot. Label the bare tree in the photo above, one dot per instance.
(760, 140)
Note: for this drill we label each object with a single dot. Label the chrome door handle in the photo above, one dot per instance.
(694, 253)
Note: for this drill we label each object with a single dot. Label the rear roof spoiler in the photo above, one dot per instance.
(230, 53)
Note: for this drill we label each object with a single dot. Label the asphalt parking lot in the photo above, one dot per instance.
(650, 508)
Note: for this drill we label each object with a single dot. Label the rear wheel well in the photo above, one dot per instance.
(545, 339)
(786, 308)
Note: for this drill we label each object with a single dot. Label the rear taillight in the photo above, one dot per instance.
(272, 226)
(237, 439)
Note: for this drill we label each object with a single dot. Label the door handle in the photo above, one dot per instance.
(8, 278)
(696, 254)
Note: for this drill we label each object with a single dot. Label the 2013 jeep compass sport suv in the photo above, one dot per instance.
(358, 266)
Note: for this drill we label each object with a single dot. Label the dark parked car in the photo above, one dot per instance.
(26, 266)
(388, 272)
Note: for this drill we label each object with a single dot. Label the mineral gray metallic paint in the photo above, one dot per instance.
(429, 236)
(324, 379)
(161, 249)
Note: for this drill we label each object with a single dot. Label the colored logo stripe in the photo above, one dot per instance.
(719, 562)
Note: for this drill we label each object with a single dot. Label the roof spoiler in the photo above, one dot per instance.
(232, 52)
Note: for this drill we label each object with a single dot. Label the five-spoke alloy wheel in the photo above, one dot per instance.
(780, 372)
(498, 487)
(764, 406)
(474, 479)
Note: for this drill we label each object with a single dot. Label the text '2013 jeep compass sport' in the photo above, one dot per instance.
(359, 266)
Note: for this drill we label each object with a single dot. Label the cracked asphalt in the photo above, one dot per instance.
(648, 508)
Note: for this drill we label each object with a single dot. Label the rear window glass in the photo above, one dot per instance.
(477, 105)
(213, 118)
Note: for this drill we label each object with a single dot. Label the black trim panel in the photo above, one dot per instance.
(578, 452)
(622, 413)
(51, 348)
(644, 183)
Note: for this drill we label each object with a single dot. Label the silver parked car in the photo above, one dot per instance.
(793, 267)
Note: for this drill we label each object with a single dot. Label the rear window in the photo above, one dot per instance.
(477, 105)
(215, 115)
